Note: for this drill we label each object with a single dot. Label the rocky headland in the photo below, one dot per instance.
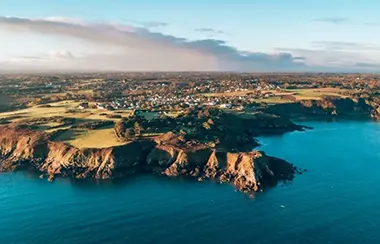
(220, 150)
(201, 144)
(327, 108)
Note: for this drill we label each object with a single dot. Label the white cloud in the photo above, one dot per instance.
(61, 55)
(332, 20)
(121, 47)
(338, 60)
(210, 31)
(139, 48)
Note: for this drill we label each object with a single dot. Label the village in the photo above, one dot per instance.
(196, 96)
(178, 91)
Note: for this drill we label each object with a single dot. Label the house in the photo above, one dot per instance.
(225, 105)
(83, 106)
(100, 106)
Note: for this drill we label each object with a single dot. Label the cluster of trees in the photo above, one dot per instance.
(5, 101)
(195, 126)
(127, 129)
(95, 124)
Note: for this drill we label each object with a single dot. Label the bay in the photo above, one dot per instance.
(335, 201)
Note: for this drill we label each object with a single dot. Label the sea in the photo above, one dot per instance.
(336, 201)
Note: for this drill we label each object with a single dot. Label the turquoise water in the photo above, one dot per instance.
(336, 201)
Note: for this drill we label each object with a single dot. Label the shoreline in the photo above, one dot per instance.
(247, 170)
(201, 144)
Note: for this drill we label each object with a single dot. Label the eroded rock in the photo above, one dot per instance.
(22, 149)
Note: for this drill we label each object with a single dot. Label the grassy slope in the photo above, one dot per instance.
(81, 138)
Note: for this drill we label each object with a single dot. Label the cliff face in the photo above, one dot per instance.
(264, 123)
(249, 171)
(22, 149)
(376, 104)
(324, 108)
(26, 149)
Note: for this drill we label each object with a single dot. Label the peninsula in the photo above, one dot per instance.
(199, 143)
(201, 126)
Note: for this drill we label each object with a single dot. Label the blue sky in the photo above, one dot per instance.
(321, 35)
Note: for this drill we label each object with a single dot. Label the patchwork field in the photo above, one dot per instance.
(65, 116)
(93, 127)
(317, 93)
(82, 138)
(283, 96)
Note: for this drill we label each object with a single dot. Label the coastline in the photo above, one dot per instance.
(247, 170)
(221, 150)
(203, 205)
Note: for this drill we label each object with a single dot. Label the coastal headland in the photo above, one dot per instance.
(200, 144)
(183, 132)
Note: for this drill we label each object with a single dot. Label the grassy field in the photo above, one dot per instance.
(81, 138)
(99, 138)
(272, 100)
(67, 109)
(300, 94)
(104, 137)
(55, 109)
(316, 94)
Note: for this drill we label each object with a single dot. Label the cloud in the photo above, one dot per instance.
(368, 65)
(337, 60)
(48, 57)
(148, 24)
(154, 24)
(122, 47)
(337, 45)
(63, 19)
(210, 31)
(332, 20)
(23, 58)
(61, 55)
(142, 49)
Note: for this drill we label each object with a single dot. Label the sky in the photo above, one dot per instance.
(168, 35)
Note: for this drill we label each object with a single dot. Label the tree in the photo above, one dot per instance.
(129, 133)
(120, 128)
(137, 129)
(5, 102)
(177, 107)
(206, 125)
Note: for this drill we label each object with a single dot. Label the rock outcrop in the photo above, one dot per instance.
(25, 149)
(248, 171)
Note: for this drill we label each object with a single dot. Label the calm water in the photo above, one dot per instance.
(337, 201)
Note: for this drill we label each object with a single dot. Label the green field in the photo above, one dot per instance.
(316, 94)
(98, 138)
(81, 138)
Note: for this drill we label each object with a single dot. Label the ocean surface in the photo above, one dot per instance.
(336, 201)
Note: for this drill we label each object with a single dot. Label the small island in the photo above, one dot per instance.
(87, 128)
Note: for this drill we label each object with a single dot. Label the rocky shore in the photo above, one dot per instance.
(25, 149)
(201, 144)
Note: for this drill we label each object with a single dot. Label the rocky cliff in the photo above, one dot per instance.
(25, 149)
(333, 107)
(248, 171)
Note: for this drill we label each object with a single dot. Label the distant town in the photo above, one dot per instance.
(177, 91)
